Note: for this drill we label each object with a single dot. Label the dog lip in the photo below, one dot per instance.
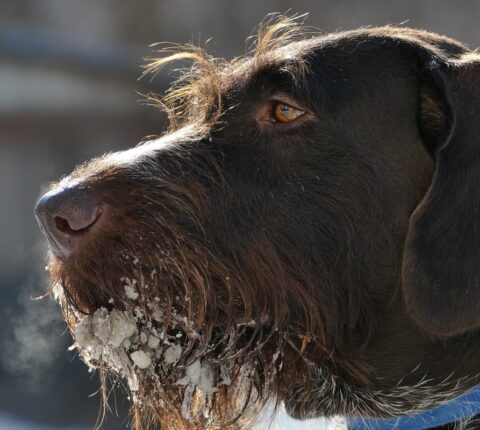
(61, 245)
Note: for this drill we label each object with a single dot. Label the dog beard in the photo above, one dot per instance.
(192, 357)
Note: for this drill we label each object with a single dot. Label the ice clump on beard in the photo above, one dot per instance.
(136, 344)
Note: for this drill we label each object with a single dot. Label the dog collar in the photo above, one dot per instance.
(459, 409)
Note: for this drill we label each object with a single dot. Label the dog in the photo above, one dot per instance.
(307, 230)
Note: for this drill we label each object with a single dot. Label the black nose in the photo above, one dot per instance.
(65, 215)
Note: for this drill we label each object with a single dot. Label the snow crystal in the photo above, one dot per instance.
(138, 313)
(133, 382)
(207, 385)
(85, 338)
(122, 328)
(153, 342)
(156, 312)
(141, 359)
(187, 401)
(101, 325)
(198, 375)
(172, 354)
(130, 292)
(192, 374)
(191, 380)
(130, 288)
(102, 332)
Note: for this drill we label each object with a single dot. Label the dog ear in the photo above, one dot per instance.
(441, 265)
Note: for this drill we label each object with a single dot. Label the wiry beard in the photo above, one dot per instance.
(216, 311)
(193, 356)
(179, 374)
(147, 320)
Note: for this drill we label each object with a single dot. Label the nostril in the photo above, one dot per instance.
(62, 225)
(66, 214)
(77, 222)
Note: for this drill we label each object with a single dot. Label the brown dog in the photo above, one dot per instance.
(306, 231)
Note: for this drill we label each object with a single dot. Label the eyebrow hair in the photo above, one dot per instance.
(196, 96)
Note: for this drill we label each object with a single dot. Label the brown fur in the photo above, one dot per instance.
(224, 256)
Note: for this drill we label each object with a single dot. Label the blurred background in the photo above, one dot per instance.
(68, 91)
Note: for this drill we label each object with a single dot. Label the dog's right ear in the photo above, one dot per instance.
(441, 265)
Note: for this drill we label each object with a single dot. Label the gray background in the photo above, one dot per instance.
(68, 82)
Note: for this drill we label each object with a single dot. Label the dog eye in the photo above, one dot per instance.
(286, 113)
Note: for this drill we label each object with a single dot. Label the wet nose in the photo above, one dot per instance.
(65, 215)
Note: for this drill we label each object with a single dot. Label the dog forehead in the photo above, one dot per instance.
(322, 58)
(288, 59)
(300, 60)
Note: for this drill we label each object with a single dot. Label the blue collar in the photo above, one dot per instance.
(461, 408)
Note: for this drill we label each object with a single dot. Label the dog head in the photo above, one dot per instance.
(305, 231)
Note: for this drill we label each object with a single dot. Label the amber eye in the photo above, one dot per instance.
(286, 113)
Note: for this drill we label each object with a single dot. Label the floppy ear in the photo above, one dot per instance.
(441, 266)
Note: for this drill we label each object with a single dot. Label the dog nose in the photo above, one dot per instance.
(65, 215)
